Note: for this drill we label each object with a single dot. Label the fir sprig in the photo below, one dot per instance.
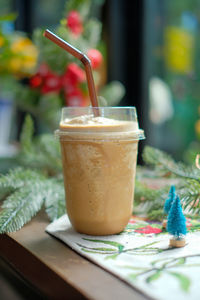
(54, 199)
(17, 178)
(188, 187)
(25, 191)
(41, 153)
(27, 135)
(20, 207)
(165, 164)
(150, 201)
(28, 192)
(190, 195)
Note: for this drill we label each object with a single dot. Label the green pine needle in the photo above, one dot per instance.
(45, 155)
(55, 199)
(164, 163)
(26, 191)
(190, 196)
(27, 134)
(188, 187)
(150, 201)
(144, 194)
(17, 178)
(42, 153)
(20, 207)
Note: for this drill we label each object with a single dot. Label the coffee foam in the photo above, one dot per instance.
(90, 120)
(90, 123)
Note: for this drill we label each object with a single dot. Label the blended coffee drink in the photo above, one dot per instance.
(99, 157)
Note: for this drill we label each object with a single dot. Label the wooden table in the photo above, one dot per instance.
(56, 271)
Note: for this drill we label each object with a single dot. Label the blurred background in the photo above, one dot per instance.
(144, 53)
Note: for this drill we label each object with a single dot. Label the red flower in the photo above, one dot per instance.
(74, 22)
(148, 229)
(72, 77)
(52, 83)
(96, 58)
(35, 81)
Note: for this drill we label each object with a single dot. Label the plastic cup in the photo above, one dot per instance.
(99, 156)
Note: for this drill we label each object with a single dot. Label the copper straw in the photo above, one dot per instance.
(84, 59)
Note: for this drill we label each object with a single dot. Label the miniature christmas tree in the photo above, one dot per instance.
(170, 199)
(168, 203)
(176, 224)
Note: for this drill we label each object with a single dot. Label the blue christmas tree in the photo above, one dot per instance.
(176, 223)
(170, 199)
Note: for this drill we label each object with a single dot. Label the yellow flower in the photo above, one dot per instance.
(1, 41)
(26, 56)
(197, 127)
(20, 44)
(30, 57)
(15, 64)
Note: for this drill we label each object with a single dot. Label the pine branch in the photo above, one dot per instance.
(42, 153)
(28, 191)
(188, 187)
(17, 178)
(155, 214)
(145, 194)
(23, 198)
(150, 200)
(190, 196)
(27, 134)
(25, 190)
(45, 155)
(164, 163)
(55, 199)
(20, 207)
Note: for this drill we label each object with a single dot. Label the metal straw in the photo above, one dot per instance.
(84, 59)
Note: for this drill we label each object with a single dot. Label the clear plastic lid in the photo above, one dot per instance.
(99, 122)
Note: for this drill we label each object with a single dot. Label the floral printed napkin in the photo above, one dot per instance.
(141, 256)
